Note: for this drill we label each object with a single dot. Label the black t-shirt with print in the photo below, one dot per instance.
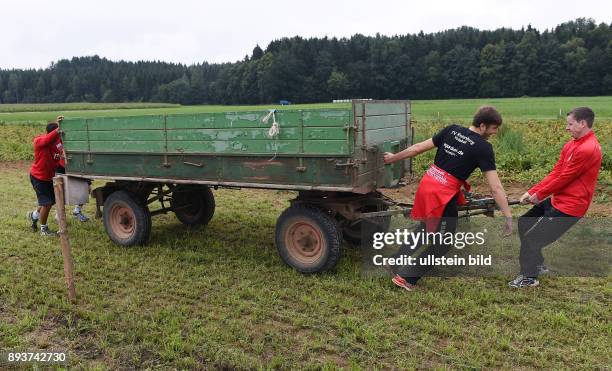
(461, 151)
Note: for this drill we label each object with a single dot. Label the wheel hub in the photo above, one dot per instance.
(304, 242)
(122, 221)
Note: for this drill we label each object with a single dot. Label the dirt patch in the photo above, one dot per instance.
(44, 336)
(10, 166)
(5, 317)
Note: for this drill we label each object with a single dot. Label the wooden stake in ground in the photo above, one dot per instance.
(58, 185)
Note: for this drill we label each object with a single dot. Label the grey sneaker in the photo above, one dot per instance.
(32, 221)
(44, 231)
(521, 281)
(80, 216)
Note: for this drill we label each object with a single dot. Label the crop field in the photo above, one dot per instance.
(220, 297)
(523, 109)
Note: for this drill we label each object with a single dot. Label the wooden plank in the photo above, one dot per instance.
(125, 123)
(71, 135)
(196, 121)
(58, 187)
(326, 147)
(384, 135)
(239, 146)
(280, 146)
(73, 124)
(75, 145)
(380, 122)
(127, 146)
(232, 120)
(253, 119)
(384, 108)
(323, 133)
(126, 135)
(338, 117)
(249, 169)
(230, 134)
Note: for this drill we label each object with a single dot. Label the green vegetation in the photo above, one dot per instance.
(221, 297)
(573, 59)
(45, 107)
(523, 109)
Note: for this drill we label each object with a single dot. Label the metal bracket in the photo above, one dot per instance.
(166, 163)
(192, 164)
(346, 164)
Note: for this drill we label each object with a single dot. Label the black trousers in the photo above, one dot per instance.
(448, 223)
(538, 228)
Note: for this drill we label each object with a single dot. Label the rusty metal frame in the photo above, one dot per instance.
(219, 183)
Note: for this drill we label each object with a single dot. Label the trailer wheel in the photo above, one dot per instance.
(308, 239)
(193, 206)
(126, 220)
(352, 230)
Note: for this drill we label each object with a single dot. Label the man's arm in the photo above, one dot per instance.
(411, 151)
(556, 170)
(46, 140)
(499, 194)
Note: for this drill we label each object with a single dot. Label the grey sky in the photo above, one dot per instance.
(35, 33)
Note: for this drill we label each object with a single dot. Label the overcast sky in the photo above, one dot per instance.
(35, 33)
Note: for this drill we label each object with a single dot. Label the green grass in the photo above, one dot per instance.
(423, 110)
(43, 116)
(45, 107)
(221, 297)
(522, 109)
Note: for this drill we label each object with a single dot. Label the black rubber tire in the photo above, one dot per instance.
(328, 235)
(352, 232)
(138, 217)
(200, 203)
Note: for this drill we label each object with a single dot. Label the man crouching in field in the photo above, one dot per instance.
(41, 177)
(571, 183)
(460, 151)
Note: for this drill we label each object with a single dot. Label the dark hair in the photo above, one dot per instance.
(583, 113)
(487, 115)
(52, 126)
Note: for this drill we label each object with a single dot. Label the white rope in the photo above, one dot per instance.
(274, 129)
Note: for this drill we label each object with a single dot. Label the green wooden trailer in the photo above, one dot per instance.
(333, 158)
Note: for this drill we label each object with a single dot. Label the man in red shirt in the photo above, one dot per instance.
(41, 177)
(571, 185)
(60, 156)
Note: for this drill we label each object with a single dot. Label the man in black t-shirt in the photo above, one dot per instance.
(460, 151)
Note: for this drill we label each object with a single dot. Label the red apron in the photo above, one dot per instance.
(436, 189)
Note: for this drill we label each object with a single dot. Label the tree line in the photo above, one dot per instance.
(573, 59)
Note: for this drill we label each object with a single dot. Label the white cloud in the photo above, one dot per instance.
(35, 33)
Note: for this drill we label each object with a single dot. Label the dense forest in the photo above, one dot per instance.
(573, 59)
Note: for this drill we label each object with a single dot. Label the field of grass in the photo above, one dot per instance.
(522, 109)
(220, 297)
(82, 106)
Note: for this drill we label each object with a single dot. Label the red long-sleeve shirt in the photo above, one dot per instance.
(58, 152)
(573, 178)
(44, 164)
